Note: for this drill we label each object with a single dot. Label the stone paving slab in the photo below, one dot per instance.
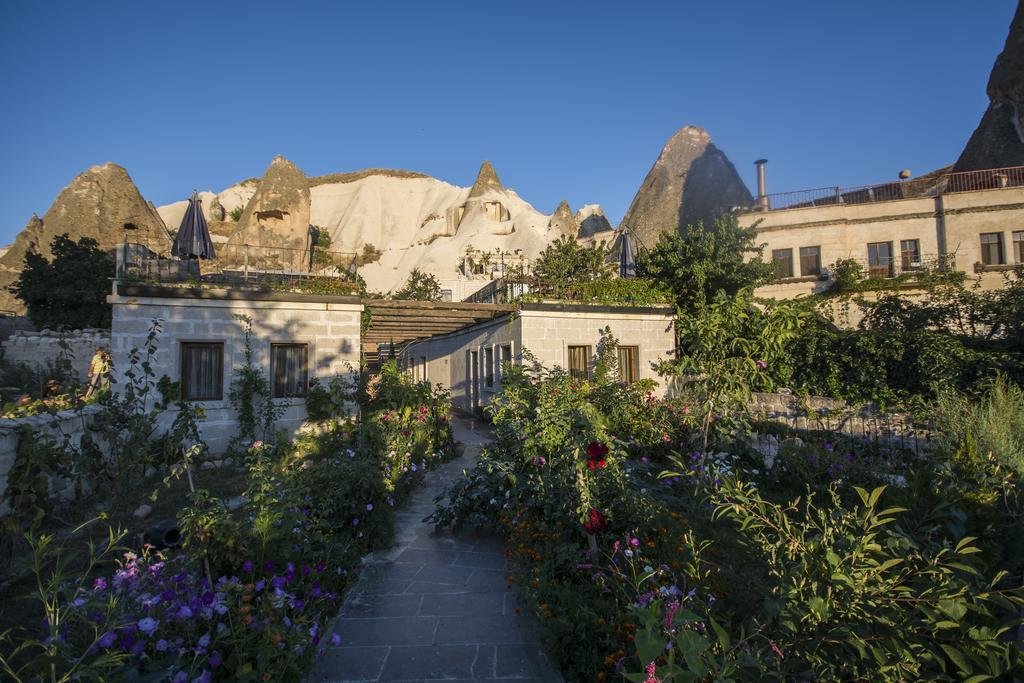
(435, 606)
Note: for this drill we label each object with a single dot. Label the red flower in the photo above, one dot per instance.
(596, 454)
(596, 523)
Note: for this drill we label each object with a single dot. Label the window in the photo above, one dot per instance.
(489, 366)
(1018, 246)
(423, 365)
(992, 248)
(446, 295)
(880, 259)
(910, 254)
(629, 364)
(202, 371)
(783, 260)
(810, 261)
(288, 368)
(504, 356)
(579, 362)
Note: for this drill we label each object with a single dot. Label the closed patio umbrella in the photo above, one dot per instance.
(627, 253)
(193, 238)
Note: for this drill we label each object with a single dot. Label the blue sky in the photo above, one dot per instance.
(569, 100)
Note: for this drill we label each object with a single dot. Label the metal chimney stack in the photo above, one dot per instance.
(762, 186)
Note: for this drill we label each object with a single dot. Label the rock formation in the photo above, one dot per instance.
(998, 140)
(486, 181)
(97, 203)
(564, 221)
(691, 181)
(276, 218)
(592, 220)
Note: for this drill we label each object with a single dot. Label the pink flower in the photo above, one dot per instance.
(651, 670)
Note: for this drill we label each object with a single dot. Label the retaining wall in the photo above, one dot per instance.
(42, 349)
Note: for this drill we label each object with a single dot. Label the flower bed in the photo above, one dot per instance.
(649, 560)
(251, 592)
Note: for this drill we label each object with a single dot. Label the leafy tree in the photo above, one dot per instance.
(71, 290)
(565, 261)
(370, 254)
(704, 262)
(726, 350)
(419, 287)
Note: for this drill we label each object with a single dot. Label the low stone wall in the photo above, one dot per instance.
(819, 412)
(42, 349)
(66, 424)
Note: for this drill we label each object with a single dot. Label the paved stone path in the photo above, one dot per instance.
(436, 606)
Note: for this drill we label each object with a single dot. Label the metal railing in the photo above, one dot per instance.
(927, 186)
(242, 264)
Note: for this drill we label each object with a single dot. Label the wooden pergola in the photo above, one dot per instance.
(399, 322)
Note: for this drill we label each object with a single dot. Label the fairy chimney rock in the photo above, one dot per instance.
(998, 141)
(486, 181)
(98, 203)
(564, 221)
(277, 215)
(691, 181)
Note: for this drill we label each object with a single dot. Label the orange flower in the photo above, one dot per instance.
(248, 619)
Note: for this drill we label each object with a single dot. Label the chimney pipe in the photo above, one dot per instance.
(762, 188)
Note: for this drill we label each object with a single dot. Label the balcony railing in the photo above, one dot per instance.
(244, 264)
(926, 186)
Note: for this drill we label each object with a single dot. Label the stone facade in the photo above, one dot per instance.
(328, 326)
(43, 349)
(947, 226)
(547, 331)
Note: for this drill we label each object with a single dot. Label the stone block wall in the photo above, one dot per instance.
(67, 425)
(42, 349)
(329, 325)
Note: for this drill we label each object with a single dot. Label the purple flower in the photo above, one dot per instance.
(214, 661)
(184, 612)
(828, 446)
(248, 566)
(204, 677)
(335, 640)
(208, 598)
(369, 507)
(204, 641)
(355, 522)
(147, 625)
(268, 566)
(100, 584)
(107, 639)
(162, 645)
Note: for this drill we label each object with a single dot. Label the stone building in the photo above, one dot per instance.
(468, 361)
(295, 338)
(971, 222)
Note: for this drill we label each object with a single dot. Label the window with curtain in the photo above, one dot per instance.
(910, 254)
(202, 371)
(992, 248)
(629, 364)
(880, 259)
(1018, 246)
(289, 369)
(810, 261)
(579, 362)
(783, 260)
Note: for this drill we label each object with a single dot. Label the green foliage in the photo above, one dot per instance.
(70, 291)
(854, 594)
(250, 395)
(567, 262)
(37, 460)
(330, 401)
(322, 249)
(369, 254)
(236, 213)
(991, 424)
(706, 261)
(419, 287)
(61, 578)
(604, 292)
(846, 275)
(726, 347)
